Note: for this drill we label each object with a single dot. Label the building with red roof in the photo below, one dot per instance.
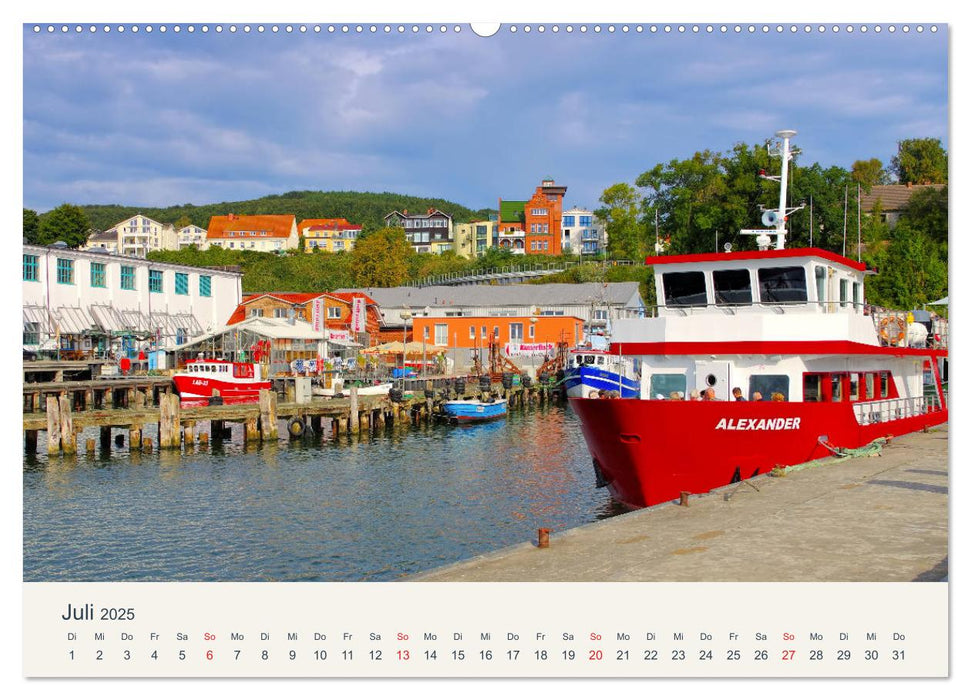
(330, 235)
(264, 233)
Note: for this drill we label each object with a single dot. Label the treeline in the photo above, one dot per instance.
(701, 203)
(365, 208)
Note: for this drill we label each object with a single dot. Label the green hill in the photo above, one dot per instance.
(365, 208)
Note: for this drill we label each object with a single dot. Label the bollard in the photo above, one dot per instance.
(544, 538)
(684, 498)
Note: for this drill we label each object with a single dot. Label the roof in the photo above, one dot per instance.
(273, 328)
(296, 298)
(275, 225)
(103, 236)
(892, 197)
(512, 210)
(326, 225)
(771, 254)
(625, 293)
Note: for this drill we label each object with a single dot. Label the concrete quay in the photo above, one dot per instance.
(867, 519)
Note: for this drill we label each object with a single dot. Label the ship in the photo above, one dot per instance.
(235, 382)
(792, 363)
(591, 371)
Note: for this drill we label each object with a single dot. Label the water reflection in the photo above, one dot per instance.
(341, 508)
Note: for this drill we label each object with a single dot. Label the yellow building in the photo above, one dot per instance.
(472, 240)
(330, 235)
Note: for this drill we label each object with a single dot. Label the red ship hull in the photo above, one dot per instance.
(201, 387)
(648, 452)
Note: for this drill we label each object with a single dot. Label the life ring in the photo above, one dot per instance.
(893, 329)
(296, 426)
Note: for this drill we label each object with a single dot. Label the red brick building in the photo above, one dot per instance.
(539, 218)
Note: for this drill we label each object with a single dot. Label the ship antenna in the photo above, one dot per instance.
(780, 225)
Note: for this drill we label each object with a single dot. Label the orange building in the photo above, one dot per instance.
(518, 336)
(539, 219)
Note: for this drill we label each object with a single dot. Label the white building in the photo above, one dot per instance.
(107, 240)
(264, 233)
(583, 233)
(138, 235)
(80, 302)
(192, 235)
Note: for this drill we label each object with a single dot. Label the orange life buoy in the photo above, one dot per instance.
(893, 329)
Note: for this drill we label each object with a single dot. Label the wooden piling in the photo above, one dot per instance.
(268, 426)
(216, 430)
(188, 432)
(105, 437)
(353, 421)
(203, 438)
(169, 435)
(90, 446)
(30, 441)
(251, 432)
(53, 425)
(315, 424)
(134, 436)
(146, 444)
(69, 444)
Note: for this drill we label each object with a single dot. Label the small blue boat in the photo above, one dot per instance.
(595, 370)
(473, 410)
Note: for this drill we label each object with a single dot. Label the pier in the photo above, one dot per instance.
(868, 519)
(123, 408)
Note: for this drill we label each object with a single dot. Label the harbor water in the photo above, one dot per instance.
(371, 509)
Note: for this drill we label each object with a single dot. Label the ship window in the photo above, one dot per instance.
(600, 361)
(885, 384)
(869, 386)
(844, 292)
(782, 284)
(684, 289)
(732, 286)
(820, 284)
(664, 384)
(812, 387)
(768, 384)
(836, 387)
(854, 386)
(857, 288)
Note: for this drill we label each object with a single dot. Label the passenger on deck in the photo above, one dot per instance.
(737, 394)
(756, 396)
(778, 396)
(695, 396)
(594, 394)
(709, 394)
(676, 396)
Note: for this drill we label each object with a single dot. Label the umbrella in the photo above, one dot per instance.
(939, 302)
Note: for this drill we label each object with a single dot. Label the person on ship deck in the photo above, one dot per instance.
(737, 394)
(709, 394)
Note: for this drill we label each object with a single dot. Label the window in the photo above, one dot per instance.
(684, 288)
(181, 283)
(540, 212)
(205, 286)
(471, 332)
(768, 384)
(532, 332)
(857, 294)
(495, 333)
(484, 333)
(441, 334)
(844, 292)
(281, 313)
(600, 314)
(854, 386)
(885, 384)
(732, 286)
(256, 313)
(515, 332)
(665, 384)
(782, 284)
(65, 271)
(32, 333)
(820, 284)
(812, 387)
(586, 220)
(155, 281)
(333, 312)
(127, 277)
(30, 269)
(181, 335)
(569, 221)
(869, 386)
(98, 275)
(836, 387)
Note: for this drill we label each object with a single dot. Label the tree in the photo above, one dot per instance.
(182, 222)
(920, 161)
(381, 259)
(31, 226)
(625, 235)
(868, 173)
(927, 212)
(66, 223)
(911, 271)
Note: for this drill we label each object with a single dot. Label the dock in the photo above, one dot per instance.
(865, 519)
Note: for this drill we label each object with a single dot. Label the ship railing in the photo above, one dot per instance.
(884, 410)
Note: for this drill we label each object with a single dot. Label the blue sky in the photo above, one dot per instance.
(152, 119)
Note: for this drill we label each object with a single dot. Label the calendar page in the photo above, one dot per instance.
(384, 344)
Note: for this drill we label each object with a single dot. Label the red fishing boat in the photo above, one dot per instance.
(237, 382)
(795, 365)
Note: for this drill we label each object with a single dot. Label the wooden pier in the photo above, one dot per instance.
(62, 410)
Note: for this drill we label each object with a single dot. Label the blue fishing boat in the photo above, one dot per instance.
(473, 410)
(598, 371)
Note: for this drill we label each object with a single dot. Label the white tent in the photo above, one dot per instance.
(939, 302)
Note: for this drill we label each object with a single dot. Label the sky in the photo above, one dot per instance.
(154, 119)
